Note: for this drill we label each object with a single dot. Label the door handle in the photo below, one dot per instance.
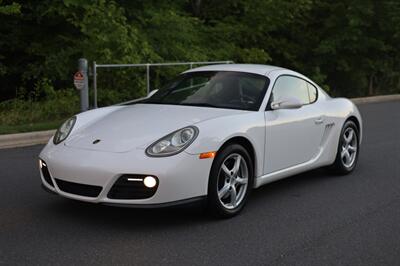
(319, 120)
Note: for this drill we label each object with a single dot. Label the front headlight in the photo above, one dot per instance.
(173, 143)
(63, 132)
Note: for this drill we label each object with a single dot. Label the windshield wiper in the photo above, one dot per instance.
(187, 104)
(152, 102)
(200, 105)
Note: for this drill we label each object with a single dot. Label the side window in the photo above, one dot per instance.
(289, 86)
(312, 91)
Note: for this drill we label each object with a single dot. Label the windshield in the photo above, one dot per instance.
(219, 89)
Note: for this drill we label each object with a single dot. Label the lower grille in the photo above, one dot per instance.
(78, 189)
(46, 174)
(125, 189)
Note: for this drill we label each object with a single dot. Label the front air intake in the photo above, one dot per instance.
(78, 189)
(132, 187)
(46, 173)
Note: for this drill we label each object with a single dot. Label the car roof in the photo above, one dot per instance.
(248, 68)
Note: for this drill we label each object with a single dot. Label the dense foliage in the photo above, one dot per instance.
(348, 46)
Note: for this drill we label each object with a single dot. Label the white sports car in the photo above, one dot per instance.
(214, 134)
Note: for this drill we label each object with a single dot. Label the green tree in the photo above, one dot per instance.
(13, 8)
(349, 47)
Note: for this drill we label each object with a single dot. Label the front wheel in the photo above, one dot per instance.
(348, 149)
(230, 182)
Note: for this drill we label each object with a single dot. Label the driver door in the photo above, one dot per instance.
(293, 136)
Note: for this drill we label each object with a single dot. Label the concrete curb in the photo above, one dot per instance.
(25, 139)
(42, 137)
(376, 99)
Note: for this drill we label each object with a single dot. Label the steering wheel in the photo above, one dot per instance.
(247, 98)
(244, 99)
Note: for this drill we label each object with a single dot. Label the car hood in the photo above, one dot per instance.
(139, 125)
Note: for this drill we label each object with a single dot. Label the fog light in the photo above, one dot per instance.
(150, 181)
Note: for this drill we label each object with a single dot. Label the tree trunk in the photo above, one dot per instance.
(196, 5)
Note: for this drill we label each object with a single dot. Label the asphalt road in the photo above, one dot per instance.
(311, 219)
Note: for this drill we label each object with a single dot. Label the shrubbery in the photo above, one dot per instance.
(42, 104)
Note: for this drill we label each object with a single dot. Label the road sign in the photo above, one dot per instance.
(79, 80)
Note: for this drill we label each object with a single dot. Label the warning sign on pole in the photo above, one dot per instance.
(79, 80)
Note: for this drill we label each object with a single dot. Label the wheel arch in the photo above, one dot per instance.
(246, 143)
(356, 121)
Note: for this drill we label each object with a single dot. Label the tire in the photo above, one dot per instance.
(227, 182)
(345, 163)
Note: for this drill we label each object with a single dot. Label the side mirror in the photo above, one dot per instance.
(286, 103)
(151, 93)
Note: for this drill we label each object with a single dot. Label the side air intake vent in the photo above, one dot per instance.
(327, 132)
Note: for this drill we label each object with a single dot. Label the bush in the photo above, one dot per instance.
(60, 105)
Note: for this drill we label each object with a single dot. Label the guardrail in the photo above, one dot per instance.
(148, 65)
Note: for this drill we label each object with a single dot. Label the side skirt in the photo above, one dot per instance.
(293, 170)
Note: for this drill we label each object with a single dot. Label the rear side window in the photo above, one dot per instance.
(290, 86)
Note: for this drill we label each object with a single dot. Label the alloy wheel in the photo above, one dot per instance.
(349, 147)
(233, 178)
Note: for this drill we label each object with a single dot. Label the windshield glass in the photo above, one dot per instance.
(219, 89)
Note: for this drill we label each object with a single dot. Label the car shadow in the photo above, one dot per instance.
(292, 183)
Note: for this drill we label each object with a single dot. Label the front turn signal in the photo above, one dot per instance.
(206, 155)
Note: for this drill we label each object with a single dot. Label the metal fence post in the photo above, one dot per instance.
(83, 68)
(94, 85)
(191, 80)
(148, 78)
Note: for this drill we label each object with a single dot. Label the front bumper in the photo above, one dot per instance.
(181, 178)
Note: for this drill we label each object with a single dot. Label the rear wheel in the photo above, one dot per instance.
(348, 148)
(230, 182)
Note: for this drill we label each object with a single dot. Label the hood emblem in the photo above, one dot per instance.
(96, 141)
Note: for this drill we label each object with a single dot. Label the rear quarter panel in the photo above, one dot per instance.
(337, 111)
